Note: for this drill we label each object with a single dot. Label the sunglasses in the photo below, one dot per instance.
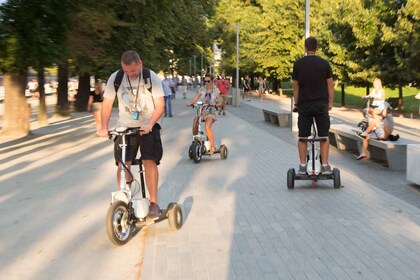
(207, 81)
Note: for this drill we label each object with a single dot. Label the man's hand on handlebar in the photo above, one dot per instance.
(145, 129)
(103, 132)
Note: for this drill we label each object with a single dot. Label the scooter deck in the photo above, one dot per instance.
(314, 177)
(148, 221)
(215, 152)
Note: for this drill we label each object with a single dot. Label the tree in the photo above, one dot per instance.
(271, 35)
(13, 65)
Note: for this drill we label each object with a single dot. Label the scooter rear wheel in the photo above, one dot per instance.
(175, 217)
(291, 178)
(118, 227)
(337, 179)
(223, 152)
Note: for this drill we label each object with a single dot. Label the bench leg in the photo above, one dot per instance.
(267, 117)
(396, 161)
(284, 120)
(344, 143)
(274, 119)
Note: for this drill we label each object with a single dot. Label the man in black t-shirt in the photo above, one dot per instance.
(313, 91)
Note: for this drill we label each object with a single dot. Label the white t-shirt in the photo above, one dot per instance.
(134, 98)
(209, 96)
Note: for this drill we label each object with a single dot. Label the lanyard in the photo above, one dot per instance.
(138, 85)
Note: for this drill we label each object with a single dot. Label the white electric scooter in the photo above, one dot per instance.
(128, 209)
(313, 166)
(200, 144)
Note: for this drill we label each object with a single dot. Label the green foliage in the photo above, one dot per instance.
(269, 44)
(33, 33)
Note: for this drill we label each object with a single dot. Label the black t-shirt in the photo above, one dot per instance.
(312, 73)
(96, 97)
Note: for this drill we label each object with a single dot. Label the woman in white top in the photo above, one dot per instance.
(378, 95)
(210, 95)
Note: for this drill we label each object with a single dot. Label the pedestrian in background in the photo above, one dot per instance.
(223, 86)
(184, 87)
(247, 88)
(95, 104)
(168, 88)
(261, 88)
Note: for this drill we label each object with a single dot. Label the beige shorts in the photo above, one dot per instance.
(96, 106)
(225, 98)
(207, 115)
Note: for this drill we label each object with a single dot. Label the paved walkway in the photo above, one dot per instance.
(240, 220)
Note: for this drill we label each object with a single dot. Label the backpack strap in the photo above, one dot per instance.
(120, 76)
(118, 80)
(146, 77)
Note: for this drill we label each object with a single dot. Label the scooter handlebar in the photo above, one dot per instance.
(121, 131)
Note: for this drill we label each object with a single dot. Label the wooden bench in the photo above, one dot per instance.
(343, 137)
(281, 118)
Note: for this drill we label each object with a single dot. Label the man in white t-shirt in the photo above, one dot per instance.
(140, 105)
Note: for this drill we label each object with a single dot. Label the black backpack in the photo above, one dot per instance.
(120, 75)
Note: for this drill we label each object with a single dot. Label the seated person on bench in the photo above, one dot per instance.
(378, 95)
(379, 129)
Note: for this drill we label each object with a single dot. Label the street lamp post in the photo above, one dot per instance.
(201, 61)
(307, 19)
(235, 98)
(307, 34)
(195, 76)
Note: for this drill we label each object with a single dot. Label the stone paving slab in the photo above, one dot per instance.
(241, 222)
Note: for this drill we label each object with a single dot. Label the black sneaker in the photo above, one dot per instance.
(361, 135)
(326, 169)
(302, 169)
(154, 211)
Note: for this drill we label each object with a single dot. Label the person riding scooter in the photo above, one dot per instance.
(210, 95)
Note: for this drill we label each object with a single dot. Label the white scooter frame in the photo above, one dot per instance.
(127, 210)
(200, 144)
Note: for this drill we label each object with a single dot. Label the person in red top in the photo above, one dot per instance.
(223, 86)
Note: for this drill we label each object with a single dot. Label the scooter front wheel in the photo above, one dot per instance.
(118, 227)
(190, 151)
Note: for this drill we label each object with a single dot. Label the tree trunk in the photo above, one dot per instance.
(42, 111)
(16, 109)
(83, 92)
(343, 96)
(400, 99)
(63, 106)
(275, 85)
